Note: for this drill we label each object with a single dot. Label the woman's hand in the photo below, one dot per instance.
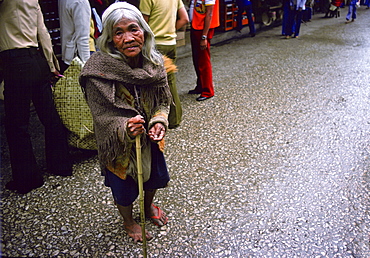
(157, 132)
(135, 126)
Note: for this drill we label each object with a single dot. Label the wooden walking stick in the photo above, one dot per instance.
(141, 192)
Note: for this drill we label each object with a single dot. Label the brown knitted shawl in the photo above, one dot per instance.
(98, 78)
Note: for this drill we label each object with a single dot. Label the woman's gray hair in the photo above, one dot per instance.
(112, 15)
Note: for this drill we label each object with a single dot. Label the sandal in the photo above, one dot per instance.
(156, 219)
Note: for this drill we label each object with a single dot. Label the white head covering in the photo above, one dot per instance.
(120, 5)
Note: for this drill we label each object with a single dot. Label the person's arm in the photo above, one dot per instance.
(182, 18)
(145, 9)
(146, 18)
(207, 24)
(81, 15)
(44, 39)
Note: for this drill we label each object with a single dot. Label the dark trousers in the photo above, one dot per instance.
(285, 22)
(202, 62)
(26, 79)
(248, 10)
(307, 14)
(126, 191)
(294, 22)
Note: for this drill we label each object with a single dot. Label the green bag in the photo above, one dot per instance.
(72, 108)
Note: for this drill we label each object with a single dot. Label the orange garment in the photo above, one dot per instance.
(199, 14)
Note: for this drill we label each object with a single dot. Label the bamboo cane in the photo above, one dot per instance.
(141, 192)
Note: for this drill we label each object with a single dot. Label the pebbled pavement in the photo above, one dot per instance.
(275, 165)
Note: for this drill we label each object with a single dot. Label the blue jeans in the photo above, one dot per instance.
(248, 10)
(294, 22)
(352, 12)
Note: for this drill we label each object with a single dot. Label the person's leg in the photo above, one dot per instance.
(58, 159)
(354, 13)
(298, 22)
(285, 18)
(175, 115)
(132, 228)
(125, 193)
(20, 74)
(290, 23)
(151, 211)
(195, 49)
(159, 178)
(349, 14)
(252, 29)
(239, 18)
(309, 14)
(204, 65)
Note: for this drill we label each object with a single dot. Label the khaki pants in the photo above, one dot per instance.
(175, 116)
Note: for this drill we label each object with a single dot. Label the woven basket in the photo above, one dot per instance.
(73, 109)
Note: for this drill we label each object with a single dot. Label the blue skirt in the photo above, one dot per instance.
(126, 191)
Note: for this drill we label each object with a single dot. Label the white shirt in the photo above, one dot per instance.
(74, 16)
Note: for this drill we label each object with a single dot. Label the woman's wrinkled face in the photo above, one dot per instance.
(128, 37)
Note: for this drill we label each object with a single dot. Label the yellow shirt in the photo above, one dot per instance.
(162, 20)
(92, 38)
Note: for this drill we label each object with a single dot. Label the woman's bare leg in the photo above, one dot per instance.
(132, 228)
(150, 211)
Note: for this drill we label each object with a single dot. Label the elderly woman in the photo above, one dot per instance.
(126, 89)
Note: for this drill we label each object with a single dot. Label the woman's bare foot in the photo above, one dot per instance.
(158, 216)
(134, 231)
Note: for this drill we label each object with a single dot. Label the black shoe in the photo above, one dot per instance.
(23, 188)
(194, 92)
(202, 98)
(252, 34)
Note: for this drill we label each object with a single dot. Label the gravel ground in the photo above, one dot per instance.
(275, 165)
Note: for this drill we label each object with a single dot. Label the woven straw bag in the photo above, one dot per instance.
(72, 108)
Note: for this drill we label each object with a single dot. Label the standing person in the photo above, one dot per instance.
(74, 18)
(295, 18)
(164, 18)
(352, 11)
(27, 74)
(204, 18)
(334, 8)
(286, 13)
(307, 14)
(245, 5)
(128, 94)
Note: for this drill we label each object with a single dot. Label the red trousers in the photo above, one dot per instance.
(202, 62)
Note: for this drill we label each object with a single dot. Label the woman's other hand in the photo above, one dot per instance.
(135, 126)
(157, 132)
